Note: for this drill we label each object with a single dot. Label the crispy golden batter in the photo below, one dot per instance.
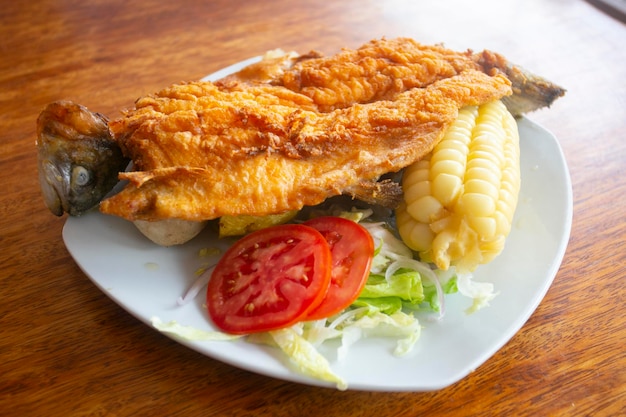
(383, 68)
(378, 70)
(203, 150)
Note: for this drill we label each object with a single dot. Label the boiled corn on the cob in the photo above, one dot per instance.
(459, 201)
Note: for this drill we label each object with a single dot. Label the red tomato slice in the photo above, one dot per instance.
(269, 279)
(352, 250)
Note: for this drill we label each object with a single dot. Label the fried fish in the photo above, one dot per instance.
(306, 129)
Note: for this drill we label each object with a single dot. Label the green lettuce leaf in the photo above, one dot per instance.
(404, 284)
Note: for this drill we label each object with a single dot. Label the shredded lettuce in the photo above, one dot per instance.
(306, 357)
(447, 281)
(405, 285)
(404, 327)
(299, 350)
(431, 294)
(480, 292)
(189, 333)
(386, 305)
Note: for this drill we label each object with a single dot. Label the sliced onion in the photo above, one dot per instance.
(347, 315)
(425, 271)
(196, 287)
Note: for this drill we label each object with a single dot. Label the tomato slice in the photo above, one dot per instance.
(269, 279)
(352, 250)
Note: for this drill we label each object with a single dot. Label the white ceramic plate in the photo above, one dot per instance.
(146, 280)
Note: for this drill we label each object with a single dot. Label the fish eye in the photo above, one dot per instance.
(80, 176)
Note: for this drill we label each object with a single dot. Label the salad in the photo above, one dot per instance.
(377, 296)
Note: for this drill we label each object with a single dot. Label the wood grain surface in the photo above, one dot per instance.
(66, 349)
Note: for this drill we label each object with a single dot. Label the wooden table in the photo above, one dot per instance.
(67, 349)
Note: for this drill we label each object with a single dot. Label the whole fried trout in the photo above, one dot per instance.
(292, 131)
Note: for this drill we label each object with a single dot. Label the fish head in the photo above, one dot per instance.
(78, 159)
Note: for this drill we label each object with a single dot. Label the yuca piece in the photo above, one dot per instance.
(459, 200)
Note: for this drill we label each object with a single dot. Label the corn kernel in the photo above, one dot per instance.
(460, 199)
